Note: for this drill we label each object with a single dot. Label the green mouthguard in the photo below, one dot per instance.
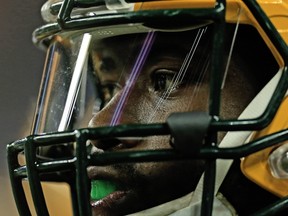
(101, 188)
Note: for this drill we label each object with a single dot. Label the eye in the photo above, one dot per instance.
(164, 80)
(109, 90)
(107, 64)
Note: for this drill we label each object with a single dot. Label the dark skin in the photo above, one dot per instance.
(144, 185)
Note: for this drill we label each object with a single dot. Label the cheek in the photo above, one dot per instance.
(236, 96)
(144, 106)
(169, 180)
(155, 170)
(154, 109)
(148, 108)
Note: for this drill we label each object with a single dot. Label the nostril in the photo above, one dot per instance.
(115, 143)
(106, 144)
(130, 142)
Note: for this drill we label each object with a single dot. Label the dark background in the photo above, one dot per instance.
(21, 66)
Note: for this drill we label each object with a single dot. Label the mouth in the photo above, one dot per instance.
(109, 198)
(102, 188)
(106, 192)
(113, 190)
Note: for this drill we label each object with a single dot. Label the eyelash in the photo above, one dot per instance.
(164, 82)
(108, 91)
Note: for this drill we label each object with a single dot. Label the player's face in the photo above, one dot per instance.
(174, 78)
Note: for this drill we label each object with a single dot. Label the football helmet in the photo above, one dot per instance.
(158, 107)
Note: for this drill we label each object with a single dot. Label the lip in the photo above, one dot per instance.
(95, 173)
(109, 200)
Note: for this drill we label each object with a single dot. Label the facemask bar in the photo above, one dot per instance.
(30, 144)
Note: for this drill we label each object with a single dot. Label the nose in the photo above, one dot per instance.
(104, 118)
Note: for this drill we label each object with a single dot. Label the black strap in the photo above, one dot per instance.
(188, 130)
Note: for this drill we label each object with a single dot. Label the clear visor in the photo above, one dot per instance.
(132, 78)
